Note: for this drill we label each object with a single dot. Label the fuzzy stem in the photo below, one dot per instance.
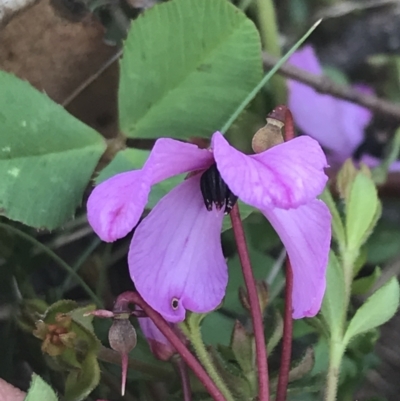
(204, 357)
(336, 352)
(270, 40)
(183, 372)
(133, 297)
(287, 336)
(255, 309)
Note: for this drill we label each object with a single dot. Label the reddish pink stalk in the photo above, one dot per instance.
(256, 316)
(284, 368)
(185, 380)
(134, 298)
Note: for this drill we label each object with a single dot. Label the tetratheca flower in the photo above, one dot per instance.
(175, 258)
(338, 125)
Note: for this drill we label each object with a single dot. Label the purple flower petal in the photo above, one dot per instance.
(159, 345)
(286, 176)
(372, 161)
(115, 206)
(175, 258)
(170, 157)
(336, 124)
(306, 234)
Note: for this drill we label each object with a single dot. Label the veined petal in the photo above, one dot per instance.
(286, 176)
(175, 258)
(306, 234)
(115, 206)
(336, 124)
(170, 157)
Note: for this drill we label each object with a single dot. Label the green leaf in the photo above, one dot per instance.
(81, 382)
(362, 285)
(39, 390)
(46, 156)
(333, 305)
(362, 211)
(337, 224)
(187, 66)
(377, 310)
(243, 347)
(215, 320)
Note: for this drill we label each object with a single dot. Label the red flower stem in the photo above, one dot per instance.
(130, 297)
(183, 372)
(284, 368)
(255, 309)
(287, 337)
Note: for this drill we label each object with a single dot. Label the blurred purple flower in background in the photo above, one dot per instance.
(175, 258)
(338, 125)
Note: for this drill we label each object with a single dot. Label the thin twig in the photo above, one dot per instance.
(255, 309)
(324, 85)
(92, 78)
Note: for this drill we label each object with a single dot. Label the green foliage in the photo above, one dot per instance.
(333, 306)
(377, 310)
(363, 210)
(39, 390)
(187, 66)
(76, 351)
(362, 285)
(261, 264)
(46, 156)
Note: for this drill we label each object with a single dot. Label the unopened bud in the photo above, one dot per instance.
(159, 345)
(122, 335)
(122, 338)
(262, 294)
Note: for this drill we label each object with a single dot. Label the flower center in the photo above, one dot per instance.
(215, 191)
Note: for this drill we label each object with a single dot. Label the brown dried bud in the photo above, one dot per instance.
(268, 136)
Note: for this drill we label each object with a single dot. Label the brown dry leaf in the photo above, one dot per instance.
(53, 53)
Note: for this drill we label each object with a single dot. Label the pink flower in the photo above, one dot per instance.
(159, 345)
(10, 393)
(338, 125)
(175, 258)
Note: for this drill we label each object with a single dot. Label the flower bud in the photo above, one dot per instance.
(159, 345)
(262, 293)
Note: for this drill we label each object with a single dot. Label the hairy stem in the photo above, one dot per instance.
(205, 359)
(256, 315)
(336, 352)
(130, 297)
